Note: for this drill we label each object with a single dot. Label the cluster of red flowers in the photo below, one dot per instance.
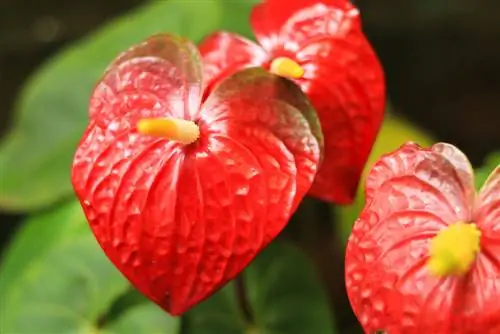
(195, 158)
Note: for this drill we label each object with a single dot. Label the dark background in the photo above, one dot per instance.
(441, 57)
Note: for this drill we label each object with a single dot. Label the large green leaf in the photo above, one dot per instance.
(64, 291)
(51, 113)
(145, 318)
(56, 279)
(219, 314)
(37, 236)
(284, 297)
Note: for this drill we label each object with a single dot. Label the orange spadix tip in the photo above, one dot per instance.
(286, 67)
(180, 130)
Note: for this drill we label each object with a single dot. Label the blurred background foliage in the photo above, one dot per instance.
(442, 62)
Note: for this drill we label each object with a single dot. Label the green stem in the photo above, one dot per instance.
(242, 299)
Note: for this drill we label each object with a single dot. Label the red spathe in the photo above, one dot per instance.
(343, 78)
(179, 221)
(411, 195)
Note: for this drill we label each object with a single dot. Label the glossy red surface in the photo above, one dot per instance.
(343, 78)
(412, 194)
(180, 221)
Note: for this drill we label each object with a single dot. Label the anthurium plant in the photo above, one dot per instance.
(203, 176)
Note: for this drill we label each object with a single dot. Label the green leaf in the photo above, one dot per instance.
(284, 295)
(51, 113)
(219, 314)
(394, 133)
(146, 318)
(482, 173)
(56, 279)
(129, 299)
(64, 291)
(37, 236)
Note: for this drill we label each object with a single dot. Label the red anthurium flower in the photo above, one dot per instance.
(182, 194)
(424, 255)
(319, 45)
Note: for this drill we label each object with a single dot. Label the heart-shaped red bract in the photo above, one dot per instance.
(179, 221)
(411, 195)
(342, 77)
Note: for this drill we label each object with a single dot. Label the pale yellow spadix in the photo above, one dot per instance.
(186, 132)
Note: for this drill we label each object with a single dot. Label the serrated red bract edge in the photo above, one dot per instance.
(343, 79)
(412, 194)
(180, 221)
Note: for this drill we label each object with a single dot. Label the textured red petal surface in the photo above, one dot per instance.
(480, 309)
(254, 101)
(180, 221)
(412, 194)
(345, 83)
(225, 53)
(343, 78)
(301, 21)
(158, 68)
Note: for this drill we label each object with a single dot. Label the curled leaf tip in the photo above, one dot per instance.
(185, 132)
(287, 68)
(454, 249)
